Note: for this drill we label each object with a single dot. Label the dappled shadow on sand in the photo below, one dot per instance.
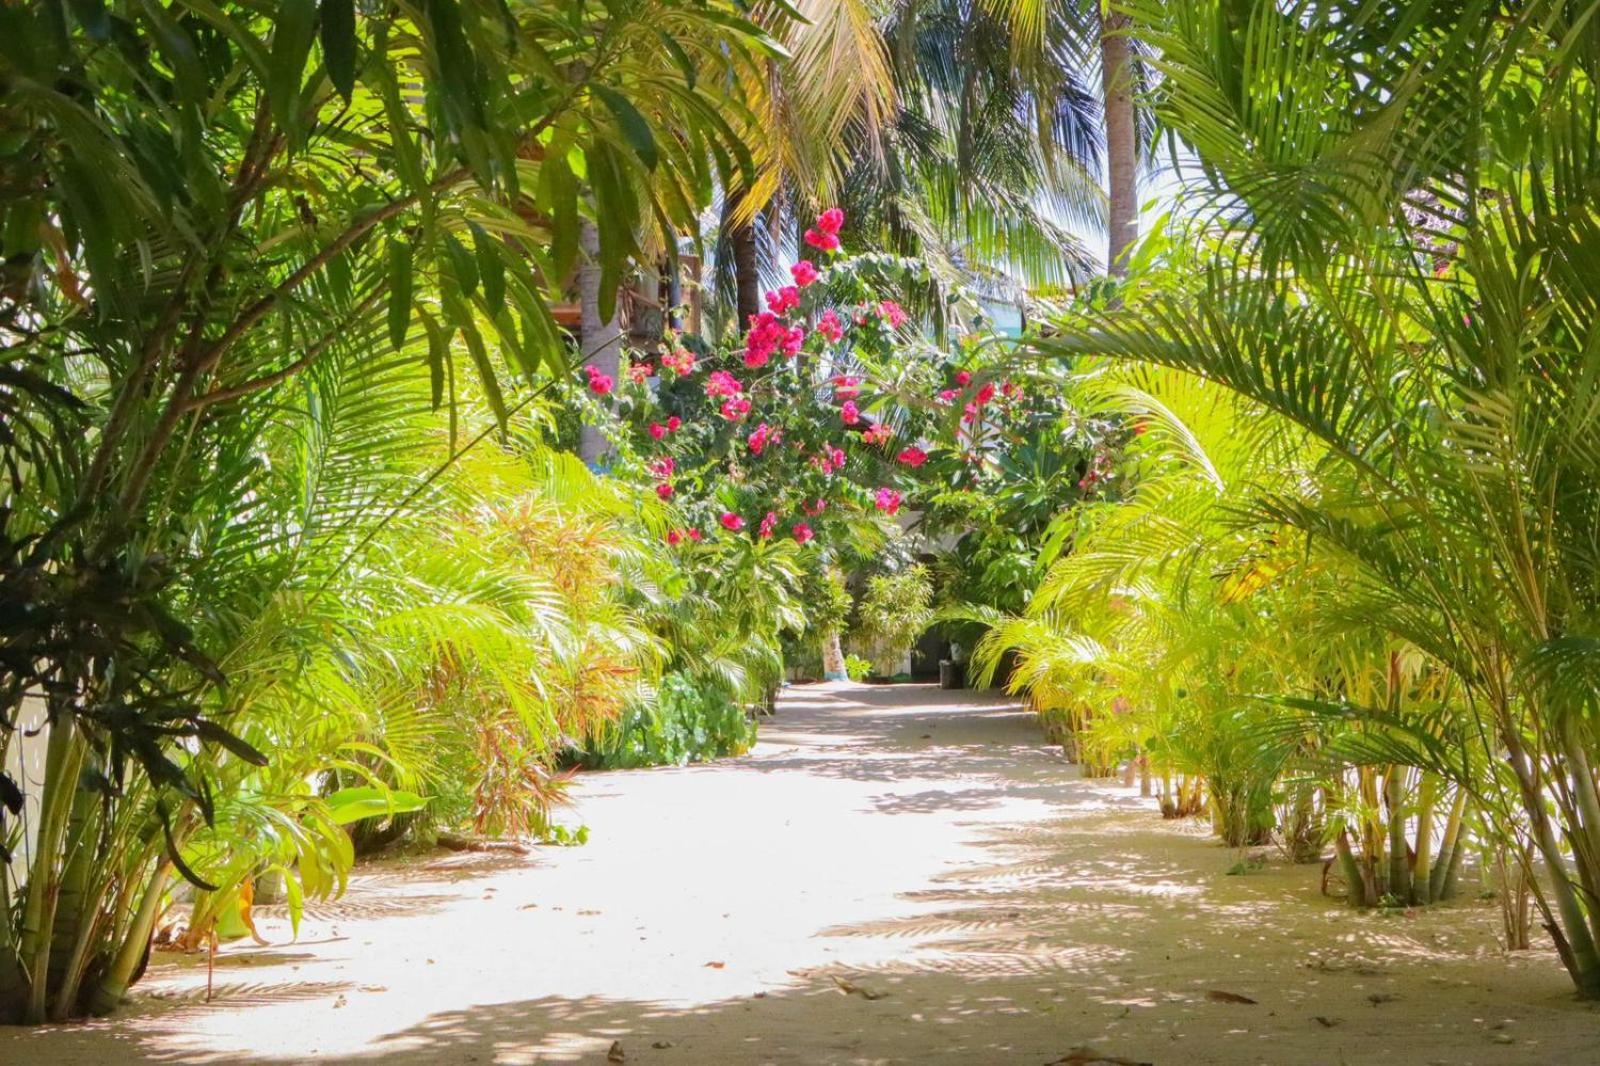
(1051, 913)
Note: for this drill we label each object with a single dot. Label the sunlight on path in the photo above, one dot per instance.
(895, 874)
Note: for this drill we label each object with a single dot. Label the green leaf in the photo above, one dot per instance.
(491, 268)
(560, 196)
(339, 44)
(291, 45)
(634, 126)
(214, 733)
(350, 805)
(438, 354)
(399, 291)
(463, 267)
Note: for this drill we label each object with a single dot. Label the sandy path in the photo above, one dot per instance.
(921, 845)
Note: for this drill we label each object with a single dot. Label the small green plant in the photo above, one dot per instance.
(684, 723)
(857, 668)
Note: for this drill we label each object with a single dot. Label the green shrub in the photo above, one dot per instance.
(857, 668)
(683, 724)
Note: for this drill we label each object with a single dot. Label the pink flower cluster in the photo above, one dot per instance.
(599, 384)
(825, 235)
(876, 434)
(892, 313)
(639, 373)
(768, 334)
(830, 327)
(659, 430)
(850, 413)
(762, 436)
(913, 456)
(679, 361)
(722, 383)
(832, 458)
(846, 387)
(804, 273)
(888, 500)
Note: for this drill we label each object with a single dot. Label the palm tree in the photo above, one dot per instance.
(1397, 258)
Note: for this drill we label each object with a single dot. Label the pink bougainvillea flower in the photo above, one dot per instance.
(599, 384)
(639, 373)
(814, 507)
(877, 433)
(663, 467)
(696, 536)
(664, 490)
(673, 423)
(985, 394)
(831, 220)
(830, 326)
(888, 500)
(735, 408)
(679, 361)
(963, 378)
(804, 273)
(892, 313)
(1009, 390)
(785, 299)
(722, 383)
(850, 413)
(766, 335)
(674, 537)
(657, 431)
(913, 456)
(802, 532)
(762, 436)
(948, 395)
(792, 340)
(731, 521)
(826, 242)
(846, 387)
(969, 413)
(768, 525)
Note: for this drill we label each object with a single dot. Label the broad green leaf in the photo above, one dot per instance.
(399, 291)
(353, 804)
(339, 44)
(633, 124)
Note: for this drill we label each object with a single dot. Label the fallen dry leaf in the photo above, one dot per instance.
(616, 1054)
(1086, 1056)
(1327, 1023)
(716, 965)
(851, 989)
(1217, 995)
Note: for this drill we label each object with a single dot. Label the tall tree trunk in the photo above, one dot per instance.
(741, 237)
(1122, 151)
(599, 340)
(832, 657)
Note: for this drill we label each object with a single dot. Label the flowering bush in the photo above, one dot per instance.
(831, 409)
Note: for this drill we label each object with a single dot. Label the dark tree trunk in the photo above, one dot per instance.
(741, 237)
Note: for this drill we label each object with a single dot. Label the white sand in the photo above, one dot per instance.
(922, 846)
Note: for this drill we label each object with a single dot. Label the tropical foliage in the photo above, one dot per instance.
(1391, 282)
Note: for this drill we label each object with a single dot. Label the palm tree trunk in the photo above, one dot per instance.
(599, 340)
(1122, 151)
(832, 657)
(741, 238)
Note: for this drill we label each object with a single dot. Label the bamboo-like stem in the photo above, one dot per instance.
(1421, 870)
(63, 761)
(113, 985)
(1399, 869)
(1451, 847)
(1353, 876)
